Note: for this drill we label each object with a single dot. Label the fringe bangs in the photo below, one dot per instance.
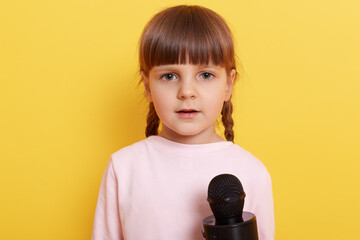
(186, 34)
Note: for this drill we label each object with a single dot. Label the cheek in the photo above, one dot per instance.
(162, 104)
(216, 101)
(217, 95)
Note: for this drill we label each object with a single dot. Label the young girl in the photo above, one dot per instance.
(157, 187)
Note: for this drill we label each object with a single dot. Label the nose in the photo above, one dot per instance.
(187, 90)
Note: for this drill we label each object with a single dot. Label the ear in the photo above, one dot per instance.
(230, 84)
(145, 81)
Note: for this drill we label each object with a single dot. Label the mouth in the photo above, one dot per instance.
(187, 113)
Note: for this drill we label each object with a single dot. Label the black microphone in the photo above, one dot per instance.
(226, 198)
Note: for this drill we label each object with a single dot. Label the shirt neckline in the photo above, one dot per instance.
(162, 142)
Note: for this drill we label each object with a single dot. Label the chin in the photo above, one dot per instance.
(189, 133)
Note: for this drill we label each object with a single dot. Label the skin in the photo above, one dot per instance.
(188, 99)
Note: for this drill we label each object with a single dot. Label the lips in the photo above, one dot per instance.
(187, 113)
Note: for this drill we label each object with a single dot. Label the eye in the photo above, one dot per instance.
(206, 75)
(168, 77)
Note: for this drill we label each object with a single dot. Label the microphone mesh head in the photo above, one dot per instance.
(222, 188)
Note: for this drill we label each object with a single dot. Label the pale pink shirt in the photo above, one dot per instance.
(157, 189)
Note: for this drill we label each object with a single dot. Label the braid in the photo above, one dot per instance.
(152, 121)
(227, 120)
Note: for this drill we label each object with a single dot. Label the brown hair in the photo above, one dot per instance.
(187, 34)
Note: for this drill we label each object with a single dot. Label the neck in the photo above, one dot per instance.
(201, 138)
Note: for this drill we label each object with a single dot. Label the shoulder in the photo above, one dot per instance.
(133, 151)
(140, 145)
(141, 152)
(238, 151)
(131, 160)
(249, 161)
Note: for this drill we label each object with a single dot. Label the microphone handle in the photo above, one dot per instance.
(246, 230)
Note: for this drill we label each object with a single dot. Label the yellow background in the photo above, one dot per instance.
(69, 98)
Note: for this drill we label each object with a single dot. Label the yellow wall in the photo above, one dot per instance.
(69, 98)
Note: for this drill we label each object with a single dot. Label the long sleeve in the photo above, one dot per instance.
(107, 220)
(264, 210)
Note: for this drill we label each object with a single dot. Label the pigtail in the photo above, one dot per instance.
(227, 120)
(152, 121)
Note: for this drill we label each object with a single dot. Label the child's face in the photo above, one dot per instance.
(188, 99)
